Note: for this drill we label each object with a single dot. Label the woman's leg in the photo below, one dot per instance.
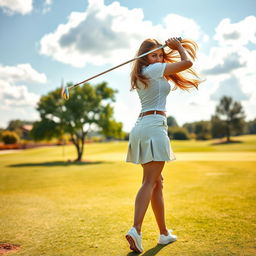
(151, 172)
(157, 203)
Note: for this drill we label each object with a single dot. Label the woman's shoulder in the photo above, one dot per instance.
(155, 70)
(154, 65)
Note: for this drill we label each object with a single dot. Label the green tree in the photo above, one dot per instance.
(16, 126)
(232, 115)
(9, 137)
(171, 121)
(218, 129)
(251, 127)
(89, 107)
(203, 130)
(190, 127)
(200, 130)
(178, 133)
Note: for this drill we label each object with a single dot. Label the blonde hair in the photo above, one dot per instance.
(184, 80)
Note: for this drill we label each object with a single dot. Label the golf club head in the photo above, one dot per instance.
(65, 93)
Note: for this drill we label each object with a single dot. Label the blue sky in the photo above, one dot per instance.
(44, 41)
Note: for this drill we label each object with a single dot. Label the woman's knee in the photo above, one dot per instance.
(159, 183)
(149, 182)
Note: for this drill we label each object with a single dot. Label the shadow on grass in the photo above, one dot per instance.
(226, 142)
(151, 252)
(56, 163)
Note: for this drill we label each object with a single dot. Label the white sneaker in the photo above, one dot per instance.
(163, 239)
(134, 240)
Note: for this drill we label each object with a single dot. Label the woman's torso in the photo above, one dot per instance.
(154, 96)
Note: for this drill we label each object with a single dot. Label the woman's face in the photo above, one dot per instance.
(155, 57)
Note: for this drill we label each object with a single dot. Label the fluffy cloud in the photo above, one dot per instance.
(240, 33)
(14, 95)
(16, 6)
(230, 66)
(109, 34)
(177, 25)
(21, 72)
(47, 6)
(230, 87)
(224, 60)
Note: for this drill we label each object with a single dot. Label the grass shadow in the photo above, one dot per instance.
(56, 163)
(226, 142)
(151, 252)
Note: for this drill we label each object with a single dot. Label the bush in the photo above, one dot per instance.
(9, 137)
(178, 133)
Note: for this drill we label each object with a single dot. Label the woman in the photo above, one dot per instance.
(148, 142)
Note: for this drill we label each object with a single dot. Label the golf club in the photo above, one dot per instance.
(65, 90)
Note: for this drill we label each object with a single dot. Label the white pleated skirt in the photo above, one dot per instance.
(149, 141)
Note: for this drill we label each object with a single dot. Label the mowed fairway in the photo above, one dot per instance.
(54, 208)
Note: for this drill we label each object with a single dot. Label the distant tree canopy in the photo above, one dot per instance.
(171, 121)
(229, 117)
(178, 133)
(89, 107)
(251, 127)
(9, 137)
(17, 125)
(200, 129)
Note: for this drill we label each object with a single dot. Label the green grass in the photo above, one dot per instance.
(54, 208)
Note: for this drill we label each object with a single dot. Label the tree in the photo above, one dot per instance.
(203, 130)
(9, 137)
(217, 127)
(178, 133)
(251, 127)
(200, 130)
(232, 115)
(88, 108)
(18, 127)
(190, 127)
(171, 121)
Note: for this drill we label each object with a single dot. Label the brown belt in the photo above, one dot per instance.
(151, 112)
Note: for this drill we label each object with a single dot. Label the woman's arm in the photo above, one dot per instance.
(183, 64)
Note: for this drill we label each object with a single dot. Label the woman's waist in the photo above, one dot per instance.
(151, 120)
(152, 112)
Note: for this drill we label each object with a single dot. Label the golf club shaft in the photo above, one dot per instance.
(108, 70)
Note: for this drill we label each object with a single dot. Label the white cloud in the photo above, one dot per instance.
(177, 25)
(13, 95)
(47, 6)
(109, 34)
(231, 65)
(21, 72)
(230, 87)
(240, 33)
(16, 6)
(223, 60)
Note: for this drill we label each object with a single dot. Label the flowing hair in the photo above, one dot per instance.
(184, 80)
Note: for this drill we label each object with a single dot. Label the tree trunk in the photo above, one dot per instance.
(228, 132)
(78, 141)
(79, 155)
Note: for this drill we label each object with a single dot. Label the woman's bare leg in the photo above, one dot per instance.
(157, 204)
(151, 172)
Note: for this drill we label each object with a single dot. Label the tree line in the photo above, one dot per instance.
(228, 120)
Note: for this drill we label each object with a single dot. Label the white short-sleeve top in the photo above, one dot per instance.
(154, 96)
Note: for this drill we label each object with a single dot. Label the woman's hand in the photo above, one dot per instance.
(173, 43)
